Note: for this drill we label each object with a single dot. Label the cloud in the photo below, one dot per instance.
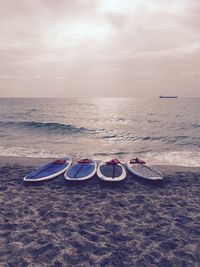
(195, 74)
(190, 17)
(99, 44)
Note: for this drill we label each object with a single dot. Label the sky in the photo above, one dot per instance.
(99, 48)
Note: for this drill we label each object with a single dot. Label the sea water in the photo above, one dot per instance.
(161, 131)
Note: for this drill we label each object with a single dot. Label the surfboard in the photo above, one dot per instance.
(111, 170)
(139, 168)
(48, 171)
(82, 169)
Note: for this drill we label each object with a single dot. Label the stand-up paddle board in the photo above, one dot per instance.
(111, 171)
(140, 169)
(48, 171)
(82, 169)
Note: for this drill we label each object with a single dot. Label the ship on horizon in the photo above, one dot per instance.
(168, 96)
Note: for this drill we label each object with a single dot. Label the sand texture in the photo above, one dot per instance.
(94, 223)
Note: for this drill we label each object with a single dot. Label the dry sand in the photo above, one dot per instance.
(93, 223)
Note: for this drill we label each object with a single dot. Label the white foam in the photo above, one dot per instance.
(181, 158)
(27, 152)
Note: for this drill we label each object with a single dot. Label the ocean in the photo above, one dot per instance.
(160, 131)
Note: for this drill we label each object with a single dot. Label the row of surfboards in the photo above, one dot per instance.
(108, 170)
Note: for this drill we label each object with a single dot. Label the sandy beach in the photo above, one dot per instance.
(93, 223)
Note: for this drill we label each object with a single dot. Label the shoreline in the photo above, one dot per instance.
(94, 223)
(30, 161)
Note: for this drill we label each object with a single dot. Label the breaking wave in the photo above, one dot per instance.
(50, 127)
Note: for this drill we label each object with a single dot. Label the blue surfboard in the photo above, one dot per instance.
(111, 170)
(81, 170)
(48, 171)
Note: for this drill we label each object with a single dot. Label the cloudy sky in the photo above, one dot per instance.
(122, 48)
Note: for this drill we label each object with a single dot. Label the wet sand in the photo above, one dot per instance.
(93, 223)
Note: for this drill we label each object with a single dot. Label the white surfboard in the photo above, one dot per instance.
(111, 170)
(140, 169)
